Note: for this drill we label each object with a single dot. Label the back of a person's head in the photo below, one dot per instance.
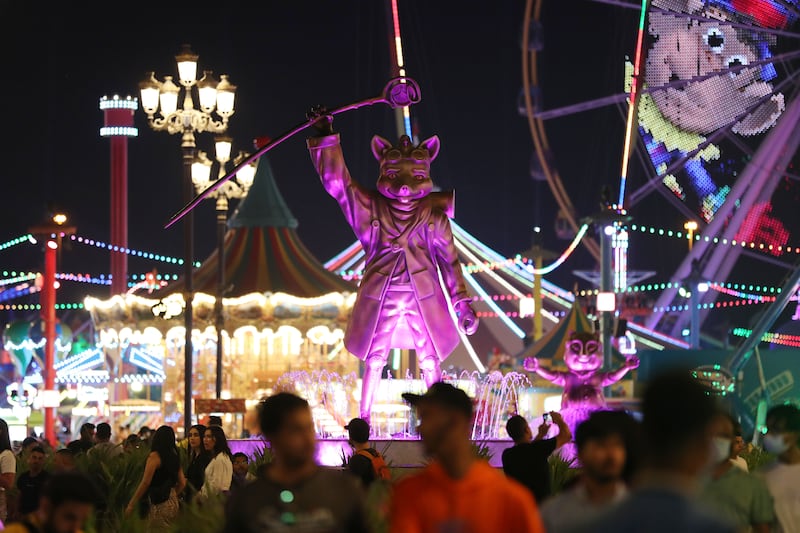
(72, 486)
(5, 439)
(29, 441)
(103, 431)
(516, 427)
(677, 410)
(87, 427)
(274, 410)
(163, 442)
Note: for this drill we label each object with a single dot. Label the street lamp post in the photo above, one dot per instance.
(163, 97)
(607, 221)
(230, 190)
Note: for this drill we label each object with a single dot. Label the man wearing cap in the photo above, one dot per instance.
(457, 491)
(359, 464)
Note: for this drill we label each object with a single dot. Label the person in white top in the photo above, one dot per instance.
(219, 471)
(783, 475)
(738, 447)
(8, 468)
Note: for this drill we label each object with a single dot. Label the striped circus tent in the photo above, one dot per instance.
(263, 252)
(551, 345)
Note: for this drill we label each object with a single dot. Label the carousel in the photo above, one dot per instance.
(283, 312)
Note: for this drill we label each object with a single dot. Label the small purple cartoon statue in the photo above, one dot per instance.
(405, 231)
(583, 383)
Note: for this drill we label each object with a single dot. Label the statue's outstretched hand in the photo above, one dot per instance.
(531, 364)
(467, 321)
(632, 362)
(323, 121)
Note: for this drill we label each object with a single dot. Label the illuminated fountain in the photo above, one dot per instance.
(334, 400)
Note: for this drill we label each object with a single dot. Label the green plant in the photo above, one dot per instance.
(561, 472)
(345, 457)
(482, 450)
(756, 457)
(261, 457)
(116, 478)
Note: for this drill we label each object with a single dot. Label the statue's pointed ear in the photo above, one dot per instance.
(379, 146)
(432, 145)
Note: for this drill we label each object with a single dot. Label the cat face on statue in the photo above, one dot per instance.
(405, 168)
(583, 352)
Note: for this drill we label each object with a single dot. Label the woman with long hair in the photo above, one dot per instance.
(8, 468)
(198, 460)
(162, 480)
(219, 471)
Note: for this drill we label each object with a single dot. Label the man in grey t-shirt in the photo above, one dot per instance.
(294, 493)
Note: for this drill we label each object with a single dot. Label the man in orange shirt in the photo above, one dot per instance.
(457, 492)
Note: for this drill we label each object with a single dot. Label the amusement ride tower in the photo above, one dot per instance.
(118, 125)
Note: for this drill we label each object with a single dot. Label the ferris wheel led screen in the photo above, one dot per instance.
(711, 82)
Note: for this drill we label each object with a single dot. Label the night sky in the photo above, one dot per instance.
(285, 57)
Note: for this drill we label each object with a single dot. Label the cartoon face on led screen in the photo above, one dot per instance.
(686, 49)
(583, 352)
(708, 72)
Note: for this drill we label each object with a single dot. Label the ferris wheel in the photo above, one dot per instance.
(709, 98)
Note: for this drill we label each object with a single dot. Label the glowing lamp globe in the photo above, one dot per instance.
(201, 173)
(226, 93)
(207, 88)
(149, 90)
(246, 175)
(187, 65)
(223, 145)
(606, 301)
(168, 98)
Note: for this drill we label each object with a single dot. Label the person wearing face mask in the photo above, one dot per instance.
(730, 491)
(783, 476)
(677, 416)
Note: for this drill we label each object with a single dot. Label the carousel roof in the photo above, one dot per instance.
(263, 252)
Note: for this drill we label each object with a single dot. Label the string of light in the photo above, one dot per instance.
(18, 240)
(743, 295)
(722, 287)
(27, 276)
(661, 232)
(38, 307)
(129, 251)
(773, 338)
(714, 305)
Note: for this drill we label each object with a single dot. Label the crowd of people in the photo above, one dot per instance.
(678, 469)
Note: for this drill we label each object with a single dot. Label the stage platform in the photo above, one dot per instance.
(401, 453)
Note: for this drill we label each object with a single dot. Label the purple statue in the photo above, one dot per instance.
(582, 383)
(405, 231)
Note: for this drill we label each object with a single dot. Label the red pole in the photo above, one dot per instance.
(118, 124)
(48, 303)
(119, 213)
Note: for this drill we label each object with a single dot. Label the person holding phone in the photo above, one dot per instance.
(526, 460)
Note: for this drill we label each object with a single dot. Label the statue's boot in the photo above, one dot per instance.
(369, 383)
